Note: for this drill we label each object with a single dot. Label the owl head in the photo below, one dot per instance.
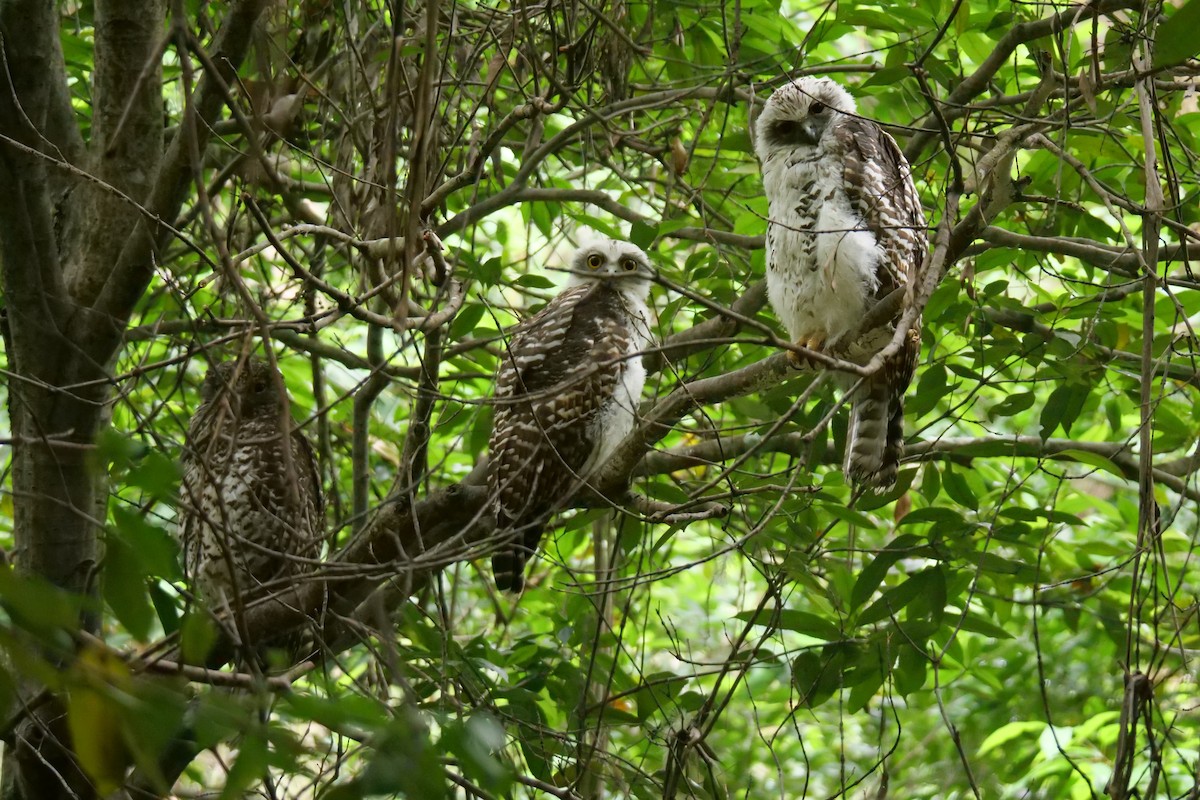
(622, 263)
(248, 386)
(799, 114)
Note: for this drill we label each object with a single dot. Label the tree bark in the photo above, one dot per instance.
(78, 231)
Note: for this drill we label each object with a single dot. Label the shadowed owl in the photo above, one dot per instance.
(846, 229)
(566, 395)
(252, 518)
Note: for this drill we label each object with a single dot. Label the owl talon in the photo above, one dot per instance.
(802, 361)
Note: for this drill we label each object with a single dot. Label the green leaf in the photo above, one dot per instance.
(250, 766)
(922, 515)
(931, 387)
(888, 76)
(798, 621)
(350, 714)
(1176, 40)
(1007, 733)
(125, 588)
(474, 745)
(911, 670)
(977, 624)
(866, 683)
(466, 320)
(35, 604)
(657, 694)
(156, 474)
(849, 515)
(931, 482)
(165, 607)
(156, 550)
(642, 235)
(818, 676)
(930, 601)
(1062, 408)
(896, 598)
(956, 486)
(1091, 459)
(490, 272)
(534, 281)
(873, 574)
(1014, 404)
(197, 635)
(544, 216)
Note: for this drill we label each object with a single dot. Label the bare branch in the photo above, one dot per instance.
(130, 274)
(975, 83)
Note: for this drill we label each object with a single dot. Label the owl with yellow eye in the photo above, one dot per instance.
(566, 395)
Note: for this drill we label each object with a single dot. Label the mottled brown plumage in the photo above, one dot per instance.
(565, 396)
(846, 229)
(251, 509)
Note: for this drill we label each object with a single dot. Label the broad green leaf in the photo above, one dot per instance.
(1175, 40)
(977, 624)
(798, 621)
(1007, 733)
(873, 573)
(125, 588)
(911, 670)
(923, 515)
(957, 487)
(249, 767)
(896, 598)
(849, 515)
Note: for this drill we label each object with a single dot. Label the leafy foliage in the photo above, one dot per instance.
(1018, 617)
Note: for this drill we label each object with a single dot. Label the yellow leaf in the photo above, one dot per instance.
(94, 719)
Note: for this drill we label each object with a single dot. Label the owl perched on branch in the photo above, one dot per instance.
(251, 510)
(566, 395)
(846, 230)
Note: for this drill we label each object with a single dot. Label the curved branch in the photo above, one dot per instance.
(99, 332)
(962, 449)
(1122, 260)
(977, 82)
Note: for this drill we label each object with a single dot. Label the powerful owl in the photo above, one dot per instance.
(846, 229)
(252, 517)
(566, 395)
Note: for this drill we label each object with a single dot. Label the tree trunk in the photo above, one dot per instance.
(79, 229)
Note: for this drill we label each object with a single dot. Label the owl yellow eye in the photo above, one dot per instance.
(595, 261)
(629, 265)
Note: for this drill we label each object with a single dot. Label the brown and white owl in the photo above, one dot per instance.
(566, 395)
(846, 229)
(251, 509)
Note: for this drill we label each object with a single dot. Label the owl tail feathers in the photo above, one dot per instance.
(875, 440)
(508, 564)
(509, 569)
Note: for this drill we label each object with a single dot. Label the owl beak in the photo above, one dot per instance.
(810, 131)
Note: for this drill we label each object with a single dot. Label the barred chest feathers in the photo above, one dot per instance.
(567, 395)
(821, 259)
(616, 419)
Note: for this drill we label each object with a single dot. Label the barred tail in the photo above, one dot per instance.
(508, 564)
(875, 440)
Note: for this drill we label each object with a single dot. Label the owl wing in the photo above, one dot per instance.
(556, 377)
(242, 502)
(879, 184)
(283, 520)
(196, 490)
(305, 459)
